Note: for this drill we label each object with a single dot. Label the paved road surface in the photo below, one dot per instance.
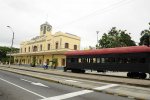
(18, 87)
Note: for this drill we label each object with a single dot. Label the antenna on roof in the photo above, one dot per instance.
(46, 17)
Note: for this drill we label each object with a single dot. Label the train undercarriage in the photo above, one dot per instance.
(139, 75)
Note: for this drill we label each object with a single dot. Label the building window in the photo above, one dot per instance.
(75, 47)
(35, 48)
(24, 49)
(56, 45)
(48, 47)
(66, 45)
(41, 47)
(29, 49)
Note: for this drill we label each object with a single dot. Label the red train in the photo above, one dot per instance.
(135, 60)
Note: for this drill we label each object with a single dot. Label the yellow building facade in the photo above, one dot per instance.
(46, 47)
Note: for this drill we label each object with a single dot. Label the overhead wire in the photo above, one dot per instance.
(99, 11)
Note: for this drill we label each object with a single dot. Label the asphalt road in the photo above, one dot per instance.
(18, 87)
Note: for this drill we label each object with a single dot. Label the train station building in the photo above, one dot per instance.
(46, 47)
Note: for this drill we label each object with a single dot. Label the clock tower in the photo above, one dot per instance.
(45, 28)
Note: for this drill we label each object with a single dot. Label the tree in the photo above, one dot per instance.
(4, 51)
(145, 37)
(116, 38)
(54, 63)
(33, 64)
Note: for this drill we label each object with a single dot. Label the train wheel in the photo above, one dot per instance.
(65, 69)
(129, 74)
(77, 71)
(142, 75)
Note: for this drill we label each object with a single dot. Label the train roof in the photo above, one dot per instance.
(118, 50)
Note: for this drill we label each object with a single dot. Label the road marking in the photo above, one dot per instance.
(73, 94)
(34, 83)
(69, 95)
(25, 80)
(22, 88)
(39, 84)
(106, 86)
(73, 81)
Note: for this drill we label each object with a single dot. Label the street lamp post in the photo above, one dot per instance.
(97, 38)
(11, 44)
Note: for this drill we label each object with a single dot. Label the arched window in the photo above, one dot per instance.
(35, 49)
(75, 47)
(24, 49)
(29, 49)
(41, 47)
(56, 45)
(66, 45)
(48, 47)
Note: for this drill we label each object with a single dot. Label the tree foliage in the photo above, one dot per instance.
(145, 37)
(115, 38)
(4, 51)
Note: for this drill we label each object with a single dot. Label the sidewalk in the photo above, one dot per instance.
(57, 76)
(100, 78)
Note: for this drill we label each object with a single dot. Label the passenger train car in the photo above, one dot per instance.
(135, 60)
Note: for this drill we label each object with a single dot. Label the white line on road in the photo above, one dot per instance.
(106, 86)
(73, 81)
(39, 84)
(69, 95)
(26, 80)
(34, 83)
(73, 94)
(23, 88)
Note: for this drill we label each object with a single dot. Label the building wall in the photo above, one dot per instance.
(38, 47)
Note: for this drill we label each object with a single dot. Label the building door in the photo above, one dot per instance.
(47, 61)
(63, 62)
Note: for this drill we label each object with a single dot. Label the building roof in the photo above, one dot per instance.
(46, 23)
(118, 50)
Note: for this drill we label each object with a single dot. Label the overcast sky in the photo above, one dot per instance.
(79, 17)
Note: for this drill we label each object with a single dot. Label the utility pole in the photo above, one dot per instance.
(97, 38)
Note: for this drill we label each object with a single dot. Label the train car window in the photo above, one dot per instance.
(110, 60)
(134, 60)
(124, 60)
(88, 60)
(79, 60)
(94, 60)
(98, 60)
(82, 60)
(85, 60)
(91, 60)
(72, 60)
(116, 60)
(103, 60)
(142, 60)
(68, 60)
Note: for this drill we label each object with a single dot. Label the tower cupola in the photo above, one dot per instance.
(45, 28)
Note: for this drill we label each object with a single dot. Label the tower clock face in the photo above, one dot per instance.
(48, 28)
